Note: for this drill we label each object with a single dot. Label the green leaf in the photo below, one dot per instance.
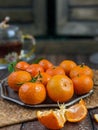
(11, 66)
(38, 60)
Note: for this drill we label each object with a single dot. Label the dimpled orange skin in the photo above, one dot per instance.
(22, 65)
(82, 84)
(46, 64)
(44, 78)
(32, 93)
(81, 70)
(34, 69)
(17, 78)
(60, 88)
(67, 65)
(55, 70)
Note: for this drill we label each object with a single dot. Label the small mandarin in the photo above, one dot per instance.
(60, 88)
(80, 70)
(43, 78)
(22, 65)
(67, 65)
(34, 69)
(46, 64)
(82, 84)
(32, 93)
(55, 70)
(17, 78)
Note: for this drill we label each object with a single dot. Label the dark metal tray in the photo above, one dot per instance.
(8, 94)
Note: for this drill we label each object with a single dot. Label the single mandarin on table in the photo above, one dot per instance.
(17, 78)
(32, 93)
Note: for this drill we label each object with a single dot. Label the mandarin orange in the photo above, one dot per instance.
(67, 65)
(22, 65)
(43, 78)
(60, 88)
(17, 78)
(55, 70)
(32, 93)
(82, 84)
(46, 64)
(80, 70)
(34, 69)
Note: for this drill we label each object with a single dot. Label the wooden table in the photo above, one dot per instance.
(87, 124)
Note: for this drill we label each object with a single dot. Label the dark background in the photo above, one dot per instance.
(69, 25)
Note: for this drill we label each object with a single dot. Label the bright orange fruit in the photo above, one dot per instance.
(55, 119)
(32, 93)
(43, 78)
(55, 70)
(80, 70)
(60, 88)
(34, 69)
(17, 78)
(67, 65)
(46, 64)
(22, 65)
(82, 84)
(76, 112)
(52, 119)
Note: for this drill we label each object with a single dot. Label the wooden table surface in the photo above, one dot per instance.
(87, 124)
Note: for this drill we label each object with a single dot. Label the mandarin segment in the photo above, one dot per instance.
(51, 119)
(56, 118)
(76, 112)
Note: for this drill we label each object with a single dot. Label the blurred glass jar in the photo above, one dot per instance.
(14, 45)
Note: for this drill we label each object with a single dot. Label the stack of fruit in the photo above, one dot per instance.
(37, 81)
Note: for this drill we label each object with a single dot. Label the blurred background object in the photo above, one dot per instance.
(70, 23)
(14, 45)
(65, 17)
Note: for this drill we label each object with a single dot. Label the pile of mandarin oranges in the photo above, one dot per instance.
(37, 81)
